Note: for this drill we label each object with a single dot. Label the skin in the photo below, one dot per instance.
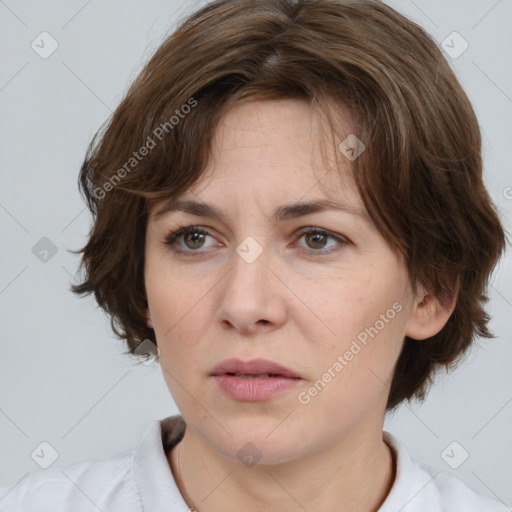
(291, 305)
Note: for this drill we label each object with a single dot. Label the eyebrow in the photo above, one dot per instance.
(282, 213)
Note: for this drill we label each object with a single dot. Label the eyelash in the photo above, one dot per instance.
(173, 236)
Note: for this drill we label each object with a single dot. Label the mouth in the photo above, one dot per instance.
(249, 376)
(254, 369)
(253, 381)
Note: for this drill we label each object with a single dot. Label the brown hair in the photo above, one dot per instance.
(420, 177)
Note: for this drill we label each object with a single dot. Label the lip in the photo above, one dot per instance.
(253, 367)
(229, 375)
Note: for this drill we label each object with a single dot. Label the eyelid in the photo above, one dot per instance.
(174, 235)
(182, 229)
(327, 232)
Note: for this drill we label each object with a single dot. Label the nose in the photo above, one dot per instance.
(252, 297)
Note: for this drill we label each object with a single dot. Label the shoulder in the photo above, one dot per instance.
(422, 488)
(104, 484)
(455, 495)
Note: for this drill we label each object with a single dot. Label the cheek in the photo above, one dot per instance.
(351, 375)
(174, 296)
(340, 308)
(357, 332)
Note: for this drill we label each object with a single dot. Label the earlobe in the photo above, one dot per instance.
(429, 316)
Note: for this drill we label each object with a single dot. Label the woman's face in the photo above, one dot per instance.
(331, 307)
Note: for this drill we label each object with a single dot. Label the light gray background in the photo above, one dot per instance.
(63, 379)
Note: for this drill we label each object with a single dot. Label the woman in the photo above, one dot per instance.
(289, 212)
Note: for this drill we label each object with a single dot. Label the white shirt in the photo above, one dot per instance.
(141, 480)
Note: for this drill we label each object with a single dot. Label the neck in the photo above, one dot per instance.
(355, 475)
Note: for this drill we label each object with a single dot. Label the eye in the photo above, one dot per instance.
(193, 239)
(192, 236)
(316, 238)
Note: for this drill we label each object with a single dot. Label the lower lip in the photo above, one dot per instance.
(254, 390)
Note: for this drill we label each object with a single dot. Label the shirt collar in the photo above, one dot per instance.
(409, 482)
(158, 489)
(153, 476)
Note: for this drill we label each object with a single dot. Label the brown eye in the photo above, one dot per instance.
(316, 240)
(193, 239)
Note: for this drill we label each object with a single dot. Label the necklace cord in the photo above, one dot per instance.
(186, 496)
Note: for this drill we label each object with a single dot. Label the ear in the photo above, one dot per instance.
(429, 316)
(148, 319)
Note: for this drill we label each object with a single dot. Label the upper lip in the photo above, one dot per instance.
(252, 367)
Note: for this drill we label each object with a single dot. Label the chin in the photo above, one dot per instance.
(262, 437)
(260, 449)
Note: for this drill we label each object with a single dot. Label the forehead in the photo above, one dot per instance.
(275, 151)
(282, 127)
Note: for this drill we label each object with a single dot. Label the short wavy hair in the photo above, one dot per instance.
(420, 176)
